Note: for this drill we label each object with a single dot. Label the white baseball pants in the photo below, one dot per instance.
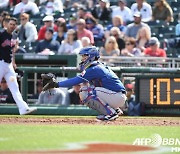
(7, 71)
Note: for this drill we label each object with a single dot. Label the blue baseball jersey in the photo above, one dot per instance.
(98, 75)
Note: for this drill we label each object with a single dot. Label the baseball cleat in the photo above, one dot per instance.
(119, 111)
(107, 117)
(28, 111)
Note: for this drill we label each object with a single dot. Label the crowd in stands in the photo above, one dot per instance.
(118, 28)
(58, 26)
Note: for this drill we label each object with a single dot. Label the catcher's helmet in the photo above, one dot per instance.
(92, 53)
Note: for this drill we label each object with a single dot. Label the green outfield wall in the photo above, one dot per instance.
(168, 80)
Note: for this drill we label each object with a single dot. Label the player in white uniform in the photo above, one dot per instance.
(7, 44)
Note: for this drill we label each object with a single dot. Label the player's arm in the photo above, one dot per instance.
(50, 81)
(14, 49)
(85, 76)
(71, 82)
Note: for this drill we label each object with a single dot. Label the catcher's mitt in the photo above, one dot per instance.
(49, 81)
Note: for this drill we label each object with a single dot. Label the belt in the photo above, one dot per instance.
(7, 61)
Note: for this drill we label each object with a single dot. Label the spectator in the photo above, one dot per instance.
(26, 6)
(72, 22)
(61, 34)
(178, 26)
(52, 6)
(5, 21)
(82, 31)
(71, 44)
(132, 29)
(110, 47)
(133, 108)
(39, 86)
(162, 11)
(13, 3)
(119, 37)
(102, 11)
(130, 49)
(130, 93)
(27, 30)
(69, 4)
(153, 50)
(142, 38)
(59, 21)
(5, 94)
(48, 22)
(4, 4)
(95, 28)
(4, 14)
(52, 97)
(144, 8)
(123, 11)
(48, 45)
(74, 95)
(117, 21)
(85, 41)
(81, 13)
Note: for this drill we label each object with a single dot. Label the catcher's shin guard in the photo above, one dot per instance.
(89, 98)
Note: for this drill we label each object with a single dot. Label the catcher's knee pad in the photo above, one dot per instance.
(88, 97)
(85, 92)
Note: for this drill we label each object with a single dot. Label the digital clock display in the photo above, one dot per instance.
(159, 91)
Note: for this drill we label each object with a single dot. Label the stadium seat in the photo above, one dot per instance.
(113, 2)
(99, 44)
(37, 22)
(69, 11)
(175, 4)
(154, 31)
(167, 32)
(156, 23)
(28, 46)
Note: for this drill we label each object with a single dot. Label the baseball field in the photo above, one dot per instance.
(61, 134)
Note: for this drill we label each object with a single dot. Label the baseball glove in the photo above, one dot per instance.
(19, 73)
(49, 81)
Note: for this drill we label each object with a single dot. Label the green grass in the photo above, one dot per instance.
(42, 137)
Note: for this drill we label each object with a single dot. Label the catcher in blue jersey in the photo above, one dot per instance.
(101, 89)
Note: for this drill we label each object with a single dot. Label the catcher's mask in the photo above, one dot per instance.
(92, 53)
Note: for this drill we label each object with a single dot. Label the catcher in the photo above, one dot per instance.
(101, 89)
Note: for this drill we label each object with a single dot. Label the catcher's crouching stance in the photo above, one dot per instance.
(101, 90)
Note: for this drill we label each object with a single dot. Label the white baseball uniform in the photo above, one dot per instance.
(7, 70)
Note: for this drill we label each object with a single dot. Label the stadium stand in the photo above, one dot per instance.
(159, 29)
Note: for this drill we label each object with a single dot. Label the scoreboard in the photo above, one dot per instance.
(158, 91)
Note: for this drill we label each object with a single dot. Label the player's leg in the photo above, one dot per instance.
(115, 99)
(2, 70)
(89, 98)
(11, 80)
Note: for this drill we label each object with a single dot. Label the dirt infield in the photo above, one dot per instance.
(138, 121)
(93, 148)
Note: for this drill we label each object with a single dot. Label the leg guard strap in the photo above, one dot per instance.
(96, 104)
(89, 98)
